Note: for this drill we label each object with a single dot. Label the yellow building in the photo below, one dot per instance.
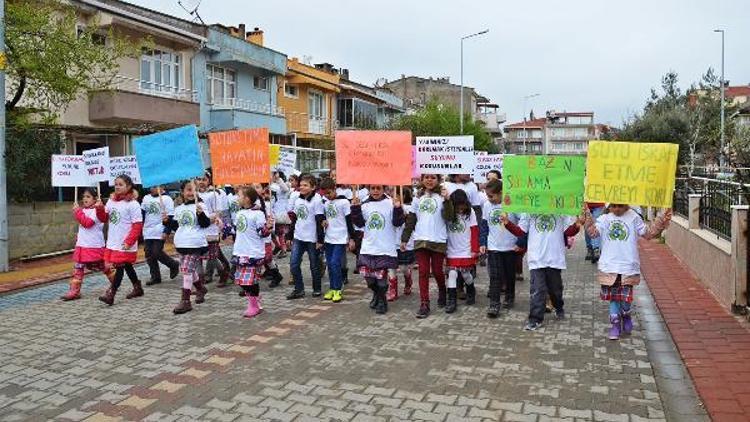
(308, 97)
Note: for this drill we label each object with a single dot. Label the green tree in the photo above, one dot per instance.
(437, 119)
(51, 62)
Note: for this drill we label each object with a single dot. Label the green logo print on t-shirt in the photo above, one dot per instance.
(114, 216)
(241, 224)
(456, 226)
(376, 221)
(153, 209)
(428, 205)
(186, 219)
(618, 231)
(301, 212)
(331, 212)
(545, 223)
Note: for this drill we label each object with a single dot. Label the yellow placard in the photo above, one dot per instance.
(631, 173)
(274, 151)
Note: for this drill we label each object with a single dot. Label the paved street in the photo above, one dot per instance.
(310, 360)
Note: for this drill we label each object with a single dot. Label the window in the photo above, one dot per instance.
(291, 91)
(316, 107)
(221, 84)
(160, 71)
(260, 83)
(96, 38)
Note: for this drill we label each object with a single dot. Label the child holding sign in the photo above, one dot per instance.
(546, 258)
(89, 251)
(500, 245)
(212, 205)
(379, 216)
(619, 263)
(125, 226)
(431, 211)
(463, 249)
(307, 236)
(250, 247)
(190, 221)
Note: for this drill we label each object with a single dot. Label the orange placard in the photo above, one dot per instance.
(370, 157)
(240, 156)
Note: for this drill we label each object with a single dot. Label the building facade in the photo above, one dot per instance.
(557, 133)
(152, 92)
(416, 92)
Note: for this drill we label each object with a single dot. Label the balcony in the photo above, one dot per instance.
(314, 126)
(568, 148)
(232, 113)
(571, 137)
(133, 101)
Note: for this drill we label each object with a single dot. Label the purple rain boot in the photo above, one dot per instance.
(627, 322)
(614, 330)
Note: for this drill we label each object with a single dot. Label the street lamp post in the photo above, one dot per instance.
(462, 73)
(721, 151)
(525, 134)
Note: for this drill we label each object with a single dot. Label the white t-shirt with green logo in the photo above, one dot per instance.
(122, 216)
(248, 242)
(153, 227)
(499, 238)
(380, 234)
(546, 239)
(619, 252)
(400, 230)
(306, 229)
(430, 224)
(336, 212)
(459, 235)
(211, 206)
(189, 234)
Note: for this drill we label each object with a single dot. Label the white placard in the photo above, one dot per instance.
(478, 153)
(69, 171)
(485, 163)
(124, 165)
(445, 155)
(287, 161)
(97, 164)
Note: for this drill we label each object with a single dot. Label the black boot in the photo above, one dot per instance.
(382, 306)
(441, 297)
(471, 294)
(374, 287)
(461, 293)
(424, 310)
(589, 253)
(450, 306)
(595, 256)
(276, 278)
(493, 311)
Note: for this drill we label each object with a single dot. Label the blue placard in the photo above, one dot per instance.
(169, 156)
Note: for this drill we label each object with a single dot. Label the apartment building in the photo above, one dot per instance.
(556, 133)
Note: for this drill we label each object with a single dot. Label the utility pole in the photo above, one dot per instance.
(722, 159)
(462, 74)
(3, 180)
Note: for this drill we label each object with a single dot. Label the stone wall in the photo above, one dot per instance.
(40, 227)
(708, 257)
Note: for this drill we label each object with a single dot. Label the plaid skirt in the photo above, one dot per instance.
(248, 270)
(617, 292)
(214, 248)
(376, 266)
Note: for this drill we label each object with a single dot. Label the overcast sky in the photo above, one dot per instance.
(579, 55)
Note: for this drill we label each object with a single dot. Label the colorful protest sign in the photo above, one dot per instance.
(373, 157)
(274, 154)
(69, 171)
(485, 163)
(543, 184)
(414, 172)
(169, 156)
(445, 154)
(240, 156)
(631, 173)
(287, 162)
(96, 162)
(124, 165)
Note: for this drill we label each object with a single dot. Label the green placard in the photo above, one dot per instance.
(543, 184)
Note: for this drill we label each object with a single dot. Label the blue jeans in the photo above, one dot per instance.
(334, 261)
(298, 249)
(594, 243)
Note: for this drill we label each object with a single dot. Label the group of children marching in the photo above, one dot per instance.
(443, 227)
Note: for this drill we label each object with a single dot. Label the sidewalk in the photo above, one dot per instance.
(714, 345)
(46, 270)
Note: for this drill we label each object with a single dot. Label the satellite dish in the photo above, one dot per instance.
(191, 7)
